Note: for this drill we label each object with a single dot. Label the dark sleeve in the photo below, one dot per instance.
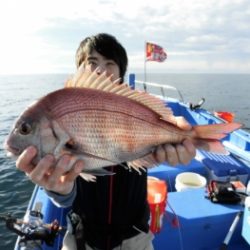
(62, 200)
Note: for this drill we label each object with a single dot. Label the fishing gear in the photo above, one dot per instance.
(224, 245)
(198, 105)
(224, 192)
(33, 232)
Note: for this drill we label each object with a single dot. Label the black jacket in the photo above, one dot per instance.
(112, 207)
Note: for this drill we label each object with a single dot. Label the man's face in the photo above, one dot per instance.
(95, 60)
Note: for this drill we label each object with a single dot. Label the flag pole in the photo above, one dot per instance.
(145, 71)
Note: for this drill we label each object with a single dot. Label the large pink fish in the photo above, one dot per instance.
(104, 123)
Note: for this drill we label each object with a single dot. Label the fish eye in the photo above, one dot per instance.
(25, 128)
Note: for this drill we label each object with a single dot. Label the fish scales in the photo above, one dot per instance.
(117, 131)
(97, 118)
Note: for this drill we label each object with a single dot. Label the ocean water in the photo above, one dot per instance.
(226, 92)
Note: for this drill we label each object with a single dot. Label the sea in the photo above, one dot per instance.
(222, 92)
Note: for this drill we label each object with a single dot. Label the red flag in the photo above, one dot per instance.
(155, 52)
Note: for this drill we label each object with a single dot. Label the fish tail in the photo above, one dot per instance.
(215, 131)
(208, 137)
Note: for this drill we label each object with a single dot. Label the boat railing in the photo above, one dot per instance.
(162, 88)
(157, 86)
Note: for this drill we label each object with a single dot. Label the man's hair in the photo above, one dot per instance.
(106, 45)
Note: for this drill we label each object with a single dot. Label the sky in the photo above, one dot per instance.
(199, 36)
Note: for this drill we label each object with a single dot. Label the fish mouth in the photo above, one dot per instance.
(12, 151)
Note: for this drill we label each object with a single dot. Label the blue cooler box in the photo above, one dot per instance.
(246, 221)
(224, 167)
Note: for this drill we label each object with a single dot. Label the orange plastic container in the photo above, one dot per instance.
(157, 198)
(227, 116)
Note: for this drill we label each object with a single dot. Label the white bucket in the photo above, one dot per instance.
(188, 181)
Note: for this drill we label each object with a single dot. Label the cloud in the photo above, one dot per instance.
(198, 35)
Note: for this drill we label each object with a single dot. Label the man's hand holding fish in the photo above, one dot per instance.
(57, 177)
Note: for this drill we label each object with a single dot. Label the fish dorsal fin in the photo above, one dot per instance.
(87, 79)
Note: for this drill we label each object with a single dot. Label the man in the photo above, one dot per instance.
(113, 210)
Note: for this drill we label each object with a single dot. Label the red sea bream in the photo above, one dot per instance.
(104, 123)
